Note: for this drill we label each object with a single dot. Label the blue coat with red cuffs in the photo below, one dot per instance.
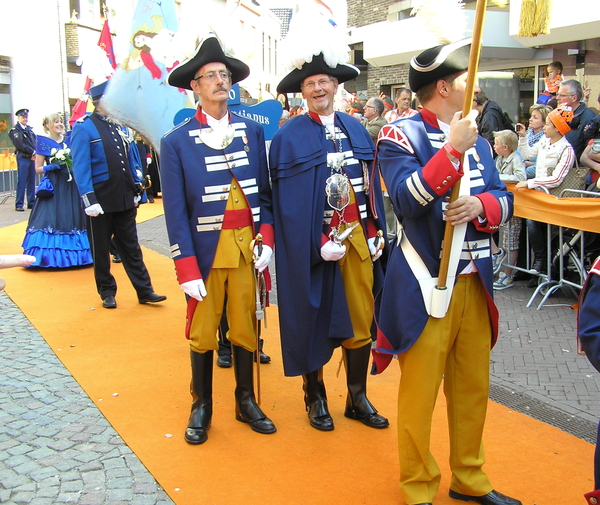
(419, 177)
(196, 181)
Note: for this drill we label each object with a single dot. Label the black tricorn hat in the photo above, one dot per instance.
(209, 51)
(438, 62)
(291, 83)
(22, 112)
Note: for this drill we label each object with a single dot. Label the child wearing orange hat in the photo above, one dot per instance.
(555, 156)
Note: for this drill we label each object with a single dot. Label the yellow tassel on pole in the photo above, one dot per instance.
(527, 19)
(542, 17)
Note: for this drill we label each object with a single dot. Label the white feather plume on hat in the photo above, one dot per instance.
(197, 21)
(443, 19)
(314, 30)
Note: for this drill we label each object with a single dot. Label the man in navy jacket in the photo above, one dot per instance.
(108, 173)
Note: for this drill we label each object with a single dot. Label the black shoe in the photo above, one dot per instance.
(195, 436)
(224, 361)
(538, 266)
(109, 302)
(117, 259)
(150, 199)
(152, 298)
(492, 498)
(19, 209)
(358, 405)
(315, 399)
(246, 408)
(263, 358)
(372, 420)
(533, 282)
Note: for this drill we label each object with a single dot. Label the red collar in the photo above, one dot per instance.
(201, 117)
(315, 117)
(430, 118)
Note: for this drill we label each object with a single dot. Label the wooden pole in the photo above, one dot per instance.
(467, 106)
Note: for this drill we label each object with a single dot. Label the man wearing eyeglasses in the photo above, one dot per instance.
(570, 94)
(374, 120)
(217, 196)
(330, 234)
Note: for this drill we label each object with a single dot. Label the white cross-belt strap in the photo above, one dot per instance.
(437, 301)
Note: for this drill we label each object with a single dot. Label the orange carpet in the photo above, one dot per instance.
(133, 362)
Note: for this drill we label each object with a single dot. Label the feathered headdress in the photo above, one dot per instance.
(445, 20)
(315, 44)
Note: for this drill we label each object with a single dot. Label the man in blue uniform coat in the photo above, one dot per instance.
(449, 336)
(217, 196)
(108, 173)
(330, 234)
(588, 331)
(24, 140)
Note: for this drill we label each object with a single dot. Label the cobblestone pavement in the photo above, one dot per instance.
(56, 447)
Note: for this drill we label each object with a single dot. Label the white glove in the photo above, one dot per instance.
(376, 251)
(333, 251)
(136, 199)
(262, 262)
(94, 210)
(194, 289)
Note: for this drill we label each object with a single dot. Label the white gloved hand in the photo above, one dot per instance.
(376, 252)
(194, 289)
(94, 210)
(136, 199)
(262, 262)
(332, 251)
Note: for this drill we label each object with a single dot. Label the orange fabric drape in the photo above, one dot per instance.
(571, 212)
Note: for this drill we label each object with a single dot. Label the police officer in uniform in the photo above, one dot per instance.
(24, 140)
(108, 173)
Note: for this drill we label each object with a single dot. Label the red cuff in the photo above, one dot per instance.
(440, 174)
(493, 214)
(187, 269)
(593, 498)
(268, 234)
(324, 239)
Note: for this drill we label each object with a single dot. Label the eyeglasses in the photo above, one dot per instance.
(564, 96)
(224, 75)
(311, 84)
(369, 107)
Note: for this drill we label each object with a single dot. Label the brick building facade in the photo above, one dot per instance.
(375, 80)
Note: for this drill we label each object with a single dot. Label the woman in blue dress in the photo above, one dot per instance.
(56, 233)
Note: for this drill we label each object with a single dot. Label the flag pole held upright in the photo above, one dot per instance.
(467, 106)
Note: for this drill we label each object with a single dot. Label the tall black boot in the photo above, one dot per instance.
(315, 398)
(358, 405)
(201, 390)
(246, 408)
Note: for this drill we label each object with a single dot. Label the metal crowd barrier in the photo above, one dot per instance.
(566, 250)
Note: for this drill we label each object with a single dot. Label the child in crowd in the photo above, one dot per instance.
(555, 157)
(511, 169)
(554, 77)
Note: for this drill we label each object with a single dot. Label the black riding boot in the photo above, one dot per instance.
(246, 408)
(315, 398)
(201, 389)
(358, 405)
